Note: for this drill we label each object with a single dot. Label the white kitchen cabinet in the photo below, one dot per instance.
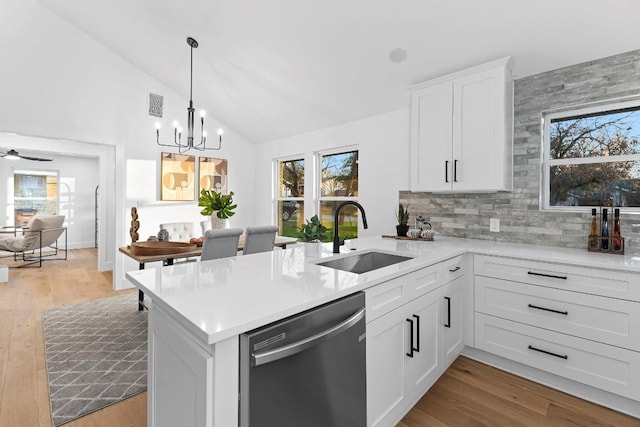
(181, 373)
(407, 338)
(403, 358)
(602, 366)
(452, 321)
(190, 383)
(576, 322)
(462, 131)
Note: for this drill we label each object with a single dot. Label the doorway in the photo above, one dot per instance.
(105, 155)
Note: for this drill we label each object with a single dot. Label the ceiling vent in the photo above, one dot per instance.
(155, 105)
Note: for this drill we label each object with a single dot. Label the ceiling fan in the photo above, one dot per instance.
(14, 155)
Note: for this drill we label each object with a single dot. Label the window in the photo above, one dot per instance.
(338, 182)
(590, 155)
(34, 192)
(290, 196)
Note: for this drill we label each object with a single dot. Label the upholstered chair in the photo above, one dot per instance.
(178, 231)
(220, 243)
(26, 243)
(259, 239)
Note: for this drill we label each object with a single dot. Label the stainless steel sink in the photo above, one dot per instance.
(364, 262)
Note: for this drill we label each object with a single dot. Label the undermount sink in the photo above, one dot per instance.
(364, 262)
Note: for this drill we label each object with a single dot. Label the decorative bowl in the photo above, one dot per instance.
(161, 248)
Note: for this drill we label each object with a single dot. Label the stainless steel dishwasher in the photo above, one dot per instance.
(307, 370)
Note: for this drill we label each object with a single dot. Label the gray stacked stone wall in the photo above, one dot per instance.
(521, 220)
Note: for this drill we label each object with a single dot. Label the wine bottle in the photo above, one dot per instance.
(593, 231)
(617, 241)
(605, 230)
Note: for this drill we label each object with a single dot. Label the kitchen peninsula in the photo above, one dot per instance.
(199, 310)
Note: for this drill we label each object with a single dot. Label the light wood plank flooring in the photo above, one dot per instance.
(468, 394)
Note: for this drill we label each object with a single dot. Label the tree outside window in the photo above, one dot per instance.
(290, 198)
(339, 183)
(593, 156)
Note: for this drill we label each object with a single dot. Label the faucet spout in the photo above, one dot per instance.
(336, 239)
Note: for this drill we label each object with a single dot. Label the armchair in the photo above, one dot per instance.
(26, 243)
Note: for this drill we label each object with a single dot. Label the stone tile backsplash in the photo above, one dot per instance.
(467, 214)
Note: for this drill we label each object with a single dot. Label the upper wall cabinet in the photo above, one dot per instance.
(462, 131)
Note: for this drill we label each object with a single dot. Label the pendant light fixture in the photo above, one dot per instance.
(177, 130)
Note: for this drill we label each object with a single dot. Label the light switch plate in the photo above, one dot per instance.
(494, 225)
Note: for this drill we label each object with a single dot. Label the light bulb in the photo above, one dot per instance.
(158, 125)
(175, 124)
(203, 113)
(179, 130)
(220, 131)
(204, 133)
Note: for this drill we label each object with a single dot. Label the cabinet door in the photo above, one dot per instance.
(452, 342)
(431, 136)
(482, 150)
(423, 369)
(387, 345)
(180, 375)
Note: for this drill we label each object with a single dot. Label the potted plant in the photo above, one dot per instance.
(217, 205)
(403, 218)
(312, 233)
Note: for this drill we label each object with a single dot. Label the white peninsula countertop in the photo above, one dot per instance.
(222, 298)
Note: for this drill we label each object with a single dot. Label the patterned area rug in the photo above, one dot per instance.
(96, 355)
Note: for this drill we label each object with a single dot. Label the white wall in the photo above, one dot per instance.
(383, 143)
(77, 178)
(58, 82)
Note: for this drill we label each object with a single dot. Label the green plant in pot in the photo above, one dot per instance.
(312, 230)
(312, 233)
(217, 205)
(402, 215)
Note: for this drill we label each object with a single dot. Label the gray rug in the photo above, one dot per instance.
(96, 355)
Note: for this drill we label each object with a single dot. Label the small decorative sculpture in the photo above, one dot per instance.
(163, 235)
(135, 225)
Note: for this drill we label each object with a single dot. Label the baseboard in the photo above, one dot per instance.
(78, 245)
(592, 394)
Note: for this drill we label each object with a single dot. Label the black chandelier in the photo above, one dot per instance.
(177, 130)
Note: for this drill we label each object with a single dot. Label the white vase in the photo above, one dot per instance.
(218, 223)
(312, 249)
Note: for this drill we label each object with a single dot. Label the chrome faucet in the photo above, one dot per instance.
(336, 239)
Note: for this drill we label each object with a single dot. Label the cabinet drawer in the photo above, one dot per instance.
(615, 284)
(388, 296)
(593, 317)
(599, 365)
(452, 269)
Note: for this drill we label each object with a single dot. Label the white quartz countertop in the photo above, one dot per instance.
(221, 298)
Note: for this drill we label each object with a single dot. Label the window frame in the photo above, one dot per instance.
(317, 177)
(276, 185)
(546, 163)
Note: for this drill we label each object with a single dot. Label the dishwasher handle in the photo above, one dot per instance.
(306, 343)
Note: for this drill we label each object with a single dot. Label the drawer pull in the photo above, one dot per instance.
(417, 333)
(446, 171)
(553, 276)
(549, 309)
(561, 356)
(411, 347)
(448, 324)
(454, 269)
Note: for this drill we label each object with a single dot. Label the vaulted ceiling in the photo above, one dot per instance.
(275, 68)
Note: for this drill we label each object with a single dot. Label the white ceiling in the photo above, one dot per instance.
(276, 68)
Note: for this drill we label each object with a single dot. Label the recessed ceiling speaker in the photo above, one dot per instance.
(398, 55)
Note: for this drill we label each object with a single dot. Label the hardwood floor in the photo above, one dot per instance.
(468, 394)
(24, 393)
(473, 394)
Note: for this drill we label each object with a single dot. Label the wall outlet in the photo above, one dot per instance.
(494, 225)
